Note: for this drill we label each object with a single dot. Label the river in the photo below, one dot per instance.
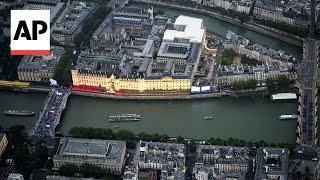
(248, 118)
(253, 119)
(21, 101)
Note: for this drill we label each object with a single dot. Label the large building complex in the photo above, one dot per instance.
(39, 68)
(70, 24)
(107, 154)
(149, 58)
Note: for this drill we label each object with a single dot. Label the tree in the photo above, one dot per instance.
(88, 170)
(158, 12)
(249, 61)
(62, 72)
(123, 134)
(68, 170)
(41, 154)
(227, 57)
(8, 63)
(144, 136)
(252, 84)
(292, 29)
(284, 82)
(22, 159)
(307, 173)
(281, 83)
(91, 24)
(180, 139)
(243, 85)
(99, 133)
(16, 129)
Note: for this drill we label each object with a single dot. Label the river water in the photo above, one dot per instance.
(253, 119)
(247, 118)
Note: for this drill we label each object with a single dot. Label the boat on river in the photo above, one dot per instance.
(124, 117)
(288, 117)
(208, 118)
(18, 113)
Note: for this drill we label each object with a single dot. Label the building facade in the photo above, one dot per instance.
(106, 154)
(39, 68)
(113, 84)
(3, 143)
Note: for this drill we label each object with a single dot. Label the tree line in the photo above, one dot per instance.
(19, 149)
(245, 85)
(121, 134)
(279, 84)
(126, 135)
(85, 170)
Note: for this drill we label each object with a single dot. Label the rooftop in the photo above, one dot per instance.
(282, 96)
(169, 157)
(75, 15)
(186, 28)
(95, 64)
(164, 153)
(39, 63)
(222, 154)
(101, 151)
(174, 50)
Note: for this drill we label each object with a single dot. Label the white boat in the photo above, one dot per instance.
(288, 117)
(124, 117)
(208, 118)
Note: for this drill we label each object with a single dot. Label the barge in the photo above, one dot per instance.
(18, 113)
(288, 117)
(124, 117)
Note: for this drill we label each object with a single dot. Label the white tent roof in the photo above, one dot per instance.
(193, 30)
(284, 96)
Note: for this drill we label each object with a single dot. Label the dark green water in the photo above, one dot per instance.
(21, 101)
(247, 118)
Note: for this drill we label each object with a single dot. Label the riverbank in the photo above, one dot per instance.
(259, 92)
(271, 32)
(140, 97)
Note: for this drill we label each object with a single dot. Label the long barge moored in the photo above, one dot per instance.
(18, 113)
(124, 117)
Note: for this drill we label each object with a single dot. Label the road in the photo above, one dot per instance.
(307, 77)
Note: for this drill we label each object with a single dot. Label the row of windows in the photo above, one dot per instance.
(35, 74)
(114, 168)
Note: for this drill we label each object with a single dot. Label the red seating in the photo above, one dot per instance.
(87, 89)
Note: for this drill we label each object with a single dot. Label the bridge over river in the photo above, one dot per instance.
(50, 115)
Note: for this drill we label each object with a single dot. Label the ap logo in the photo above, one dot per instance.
(30, 32)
